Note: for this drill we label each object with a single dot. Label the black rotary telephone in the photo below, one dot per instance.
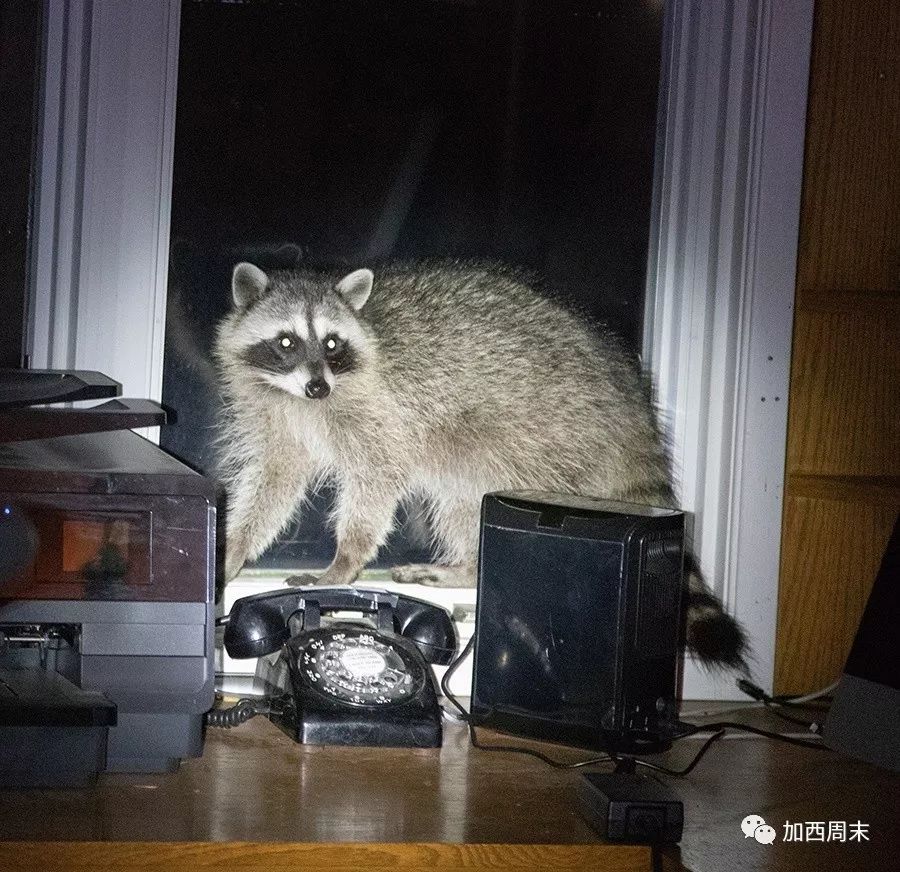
(350, 682)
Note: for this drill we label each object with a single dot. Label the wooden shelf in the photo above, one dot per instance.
(256, 800)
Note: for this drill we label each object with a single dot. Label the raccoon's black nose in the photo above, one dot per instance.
(317, 389)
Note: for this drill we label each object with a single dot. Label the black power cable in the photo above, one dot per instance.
(774, 704)
(718, 731)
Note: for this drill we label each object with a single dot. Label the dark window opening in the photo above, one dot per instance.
(351, 131)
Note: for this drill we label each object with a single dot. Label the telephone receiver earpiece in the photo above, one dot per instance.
(259, 624)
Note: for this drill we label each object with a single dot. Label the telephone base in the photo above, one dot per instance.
(318, 708)
(365, 681)
(367, 729)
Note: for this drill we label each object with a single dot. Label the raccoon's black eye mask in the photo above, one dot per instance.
(279, 355)
(333, 344)
(338, 353)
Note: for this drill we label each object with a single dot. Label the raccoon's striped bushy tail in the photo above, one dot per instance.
(713, 635)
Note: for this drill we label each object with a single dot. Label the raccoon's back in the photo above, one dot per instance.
(483, 361)
(461, 333)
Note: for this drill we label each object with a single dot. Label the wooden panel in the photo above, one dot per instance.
(844, 414)
(288, 857)
(255, 784)
(843, 458)
(851, 199)
(875, 489)
(832, 551)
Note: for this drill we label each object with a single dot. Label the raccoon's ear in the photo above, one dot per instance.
(247, 283)
(356, 287)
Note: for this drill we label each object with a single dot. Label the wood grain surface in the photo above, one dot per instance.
(850, 210)
(256, 800)
(254, 783)
(844, 413)
(289, 857)
(842, 487)
(826, 577)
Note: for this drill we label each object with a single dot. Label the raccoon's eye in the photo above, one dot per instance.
(334, 345)
(286, 340)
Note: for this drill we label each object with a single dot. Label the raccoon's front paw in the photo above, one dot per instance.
(334, 577)
(234, 563)
(434, 576)
(302, 580)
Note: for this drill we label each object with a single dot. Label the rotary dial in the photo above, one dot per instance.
(359, 667)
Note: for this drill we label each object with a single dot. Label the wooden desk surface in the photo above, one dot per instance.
(456, 808)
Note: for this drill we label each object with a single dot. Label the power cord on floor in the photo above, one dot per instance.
(718, 730)
(776, 704)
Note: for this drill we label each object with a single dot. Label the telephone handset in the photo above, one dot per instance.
(347, 682)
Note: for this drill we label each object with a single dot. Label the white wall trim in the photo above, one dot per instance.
(717, 333)
(103, 188)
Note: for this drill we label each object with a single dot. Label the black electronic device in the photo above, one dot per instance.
(343, 681)
(107, 566)
(578, 621)
(24, 414)
(628, 807)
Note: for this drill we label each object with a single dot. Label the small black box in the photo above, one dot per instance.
(630, 808)
(578, 619)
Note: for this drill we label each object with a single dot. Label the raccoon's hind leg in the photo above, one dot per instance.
(454, 521)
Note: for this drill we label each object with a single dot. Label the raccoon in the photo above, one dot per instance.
(443, 380)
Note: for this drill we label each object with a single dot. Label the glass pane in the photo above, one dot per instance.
(350, 132)
(81, 554)
(20, 28)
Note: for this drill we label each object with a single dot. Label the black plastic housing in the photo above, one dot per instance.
(259, 624)
(578, 621)
(53, 733)
(141, 634)
(315, 718)
(627, 807)
(421, 633)
(20, 388)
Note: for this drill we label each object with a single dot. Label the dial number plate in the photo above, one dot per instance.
(359, 667)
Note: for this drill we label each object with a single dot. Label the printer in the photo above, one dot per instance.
(107, 580)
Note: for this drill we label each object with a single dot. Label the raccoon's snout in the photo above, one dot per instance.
(317, 389)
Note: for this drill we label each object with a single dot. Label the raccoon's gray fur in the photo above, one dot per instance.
(443, 379)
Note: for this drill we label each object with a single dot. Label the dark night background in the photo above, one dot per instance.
(20, 29)
(351, 131)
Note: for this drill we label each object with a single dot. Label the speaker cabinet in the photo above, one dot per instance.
(578, 620)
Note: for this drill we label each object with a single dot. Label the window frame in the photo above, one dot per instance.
(721, 270)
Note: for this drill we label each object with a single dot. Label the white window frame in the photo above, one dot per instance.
(722, 251)
(103, 188)
(720, 295)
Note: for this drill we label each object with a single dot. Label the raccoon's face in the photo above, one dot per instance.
(297, 333)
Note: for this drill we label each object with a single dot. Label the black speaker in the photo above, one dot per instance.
(578, 621)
